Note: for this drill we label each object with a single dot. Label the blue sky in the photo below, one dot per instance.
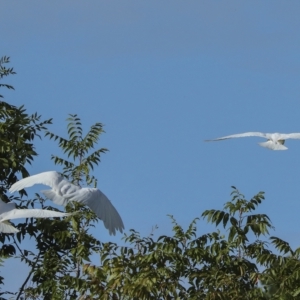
(163, 77)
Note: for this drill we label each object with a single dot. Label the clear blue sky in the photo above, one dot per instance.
(163, 76)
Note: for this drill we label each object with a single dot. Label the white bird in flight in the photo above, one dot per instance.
(63, 191)
(275, 141)
(8, 211)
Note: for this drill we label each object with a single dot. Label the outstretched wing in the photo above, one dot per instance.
(51, 178)
(31, 213)
(101, 206)
(239, 135)
(285, 136)
(7, 228)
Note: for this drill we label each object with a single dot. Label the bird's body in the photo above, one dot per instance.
(8, 211)
(275, 141)
(63, 191)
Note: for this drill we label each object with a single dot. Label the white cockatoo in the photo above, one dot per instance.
(8, 211)
(275, 141)
(63, 191)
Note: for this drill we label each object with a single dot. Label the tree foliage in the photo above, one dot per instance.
(17, 133)
(64, 245)
(238, 259)
(78, 147)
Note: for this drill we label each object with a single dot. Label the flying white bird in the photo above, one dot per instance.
(8, 211)
(274, 141)
(63, 191)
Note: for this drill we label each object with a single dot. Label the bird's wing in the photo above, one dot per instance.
(51, 178)
(101, 206)
(7, 228)
(239, 135)
(285, 136)
(31, 213)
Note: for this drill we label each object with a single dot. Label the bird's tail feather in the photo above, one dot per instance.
(7, 228)
(273, 146)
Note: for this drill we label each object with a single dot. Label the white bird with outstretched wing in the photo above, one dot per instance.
(8, 211)
(63, 191)
(275, 141)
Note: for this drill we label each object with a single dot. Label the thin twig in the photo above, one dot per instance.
(22, 254)
(29, 275)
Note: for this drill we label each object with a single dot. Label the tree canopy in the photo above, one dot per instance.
(238, 259)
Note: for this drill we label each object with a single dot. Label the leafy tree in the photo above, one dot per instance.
(78, 147)
(212, 266)
(63, 246)
(184, 266)
(235, 264)
(282, 277)
(17, 133)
